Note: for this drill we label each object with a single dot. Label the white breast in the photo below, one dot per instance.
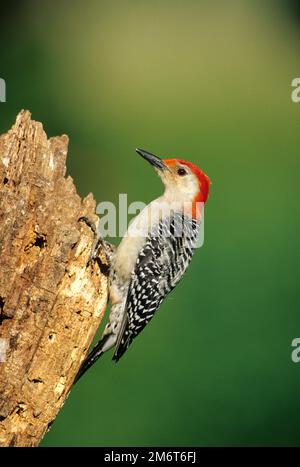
(133, 241)
(135, 237)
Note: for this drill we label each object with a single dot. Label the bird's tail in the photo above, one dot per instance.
(104, 344)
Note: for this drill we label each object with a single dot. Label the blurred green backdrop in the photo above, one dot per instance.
(209, 82)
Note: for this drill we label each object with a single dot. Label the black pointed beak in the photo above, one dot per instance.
(152, 159)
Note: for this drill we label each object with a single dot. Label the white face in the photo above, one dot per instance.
(180, 182)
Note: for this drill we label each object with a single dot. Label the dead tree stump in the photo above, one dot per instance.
(51, 302)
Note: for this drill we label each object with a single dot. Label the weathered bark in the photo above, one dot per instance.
(51, 302)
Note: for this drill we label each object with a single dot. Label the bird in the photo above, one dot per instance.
(153, 255)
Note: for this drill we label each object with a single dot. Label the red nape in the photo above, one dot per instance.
(204, 180)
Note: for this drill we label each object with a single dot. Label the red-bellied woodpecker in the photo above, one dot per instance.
(153, 255)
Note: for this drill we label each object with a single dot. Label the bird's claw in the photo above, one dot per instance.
(91, 224)
(97, 239)
(98, 242)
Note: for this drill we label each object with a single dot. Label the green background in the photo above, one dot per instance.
(208, 81)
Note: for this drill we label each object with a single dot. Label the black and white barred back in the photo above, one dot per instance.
(160, 265)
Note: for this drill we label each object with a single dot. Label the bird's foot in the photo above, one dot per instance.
(99, 242)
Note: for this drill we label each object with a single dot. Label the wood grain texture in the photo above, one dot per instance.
(51, 302)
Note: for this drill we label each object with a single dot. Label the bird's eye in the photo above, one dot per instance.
(181, 171)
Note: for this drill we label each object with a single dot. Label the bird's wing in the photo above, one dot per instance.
(161, 263)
